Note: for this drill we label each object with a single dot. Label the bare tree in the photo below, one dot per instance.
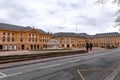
(115, 2)
(104, 1)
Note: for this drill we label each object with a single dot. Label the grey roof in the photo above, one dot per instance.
(40, 30)
(107, 34)
(5, 26)
(64, 34)
(85, 35)
(67, 34)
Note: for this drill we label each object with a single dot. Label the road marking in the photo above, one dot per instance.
(14, 74)
(113, 75)
(49, 66)
(10, 75)
(2, 74)
(83, 58)
(74, 61)
(80, 75)
(97, 69)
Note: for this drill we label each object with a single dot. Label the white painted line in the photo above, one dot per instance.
(10, 75)
(49, 66)
(80, 75)
(74, 61)
(14, 74)
(2, 74)
(113, 74)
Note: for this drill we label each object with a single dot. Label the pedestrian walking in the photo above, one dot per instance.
(87, 47)
(91, 45)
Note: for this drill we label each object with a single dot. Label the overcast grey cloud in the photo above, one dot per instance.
(60, 15)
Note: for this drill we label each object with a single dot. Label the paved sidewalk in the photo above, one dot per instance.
(22, 52)
(14, 64)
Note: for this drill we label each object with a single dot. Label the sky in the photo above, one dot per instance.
(78, 16)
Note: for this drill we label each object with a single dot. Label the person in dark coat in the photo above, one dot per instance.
(87, 47)
(91, 45)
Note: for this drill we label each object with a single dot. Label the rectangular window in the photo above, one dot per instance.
(21, 35)
(21, 39)
(32, 34)
(8, 34)
(8, 39)
(12, 34)
(29, 39)
(12, 39)
(3, 39)
(29, 34)
(40, 40)
(35, 39)
(5, 47)
(10, 47)
(32, 39)
(15, 47)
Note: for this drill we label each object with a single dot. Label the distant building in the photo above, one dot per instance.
(106, 39)
(13, 37)
(70, 40)
(73, 40)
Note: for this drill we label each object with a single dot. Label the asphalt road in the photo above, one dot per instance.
(100, 66)
(117, 77)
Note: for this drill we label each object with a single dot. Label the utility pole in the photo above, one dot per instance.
(76, 36)
(76, 28)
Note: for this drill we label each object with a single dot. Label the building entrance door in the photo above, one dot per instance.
(1, 47)
(68, 46)
(23, 47)
(31, 47)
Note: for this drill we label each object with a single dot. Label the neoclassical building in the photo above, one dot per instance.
(13, 37)
(106, 39)
(70, 40)
(73, 40)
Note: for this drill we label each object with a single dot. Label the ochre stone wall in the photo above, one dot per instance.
(23, 40)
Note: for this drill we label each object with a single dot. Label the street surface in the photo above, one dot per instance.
(99, 66)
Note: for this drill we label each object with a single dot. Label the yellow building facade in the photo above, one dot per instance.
(14, 37)
(106, 40)
(70, 40)
(73, 40)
